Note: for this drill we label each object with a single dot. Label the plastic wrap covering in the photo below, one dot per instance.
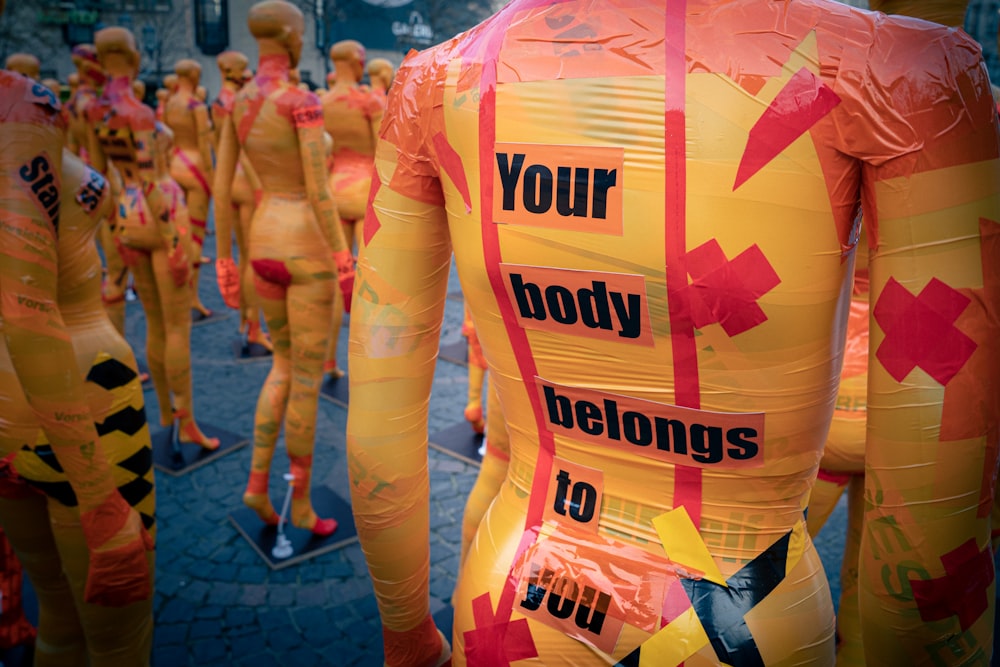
(72, 420)
(654, 212)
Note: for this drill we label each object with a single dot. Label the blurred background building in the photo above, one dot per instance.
(168, 30)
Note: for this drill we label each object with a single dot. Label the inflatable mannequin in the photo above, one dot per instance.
(123, 137)
(139, 89)
(201, 93)
(380, 73)
(91, 79)
(351, 115)
(67, 375)
(232, 67)
(162, 94)
(492, 470)
(663, 449)
(73, 81)
(296, 246)
(191, 162)
(24, 63)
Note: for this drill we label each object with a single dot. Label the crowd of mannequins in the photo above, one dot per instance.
(652, 273)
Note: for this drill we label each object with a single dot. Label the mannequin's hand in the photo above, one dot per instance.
(228, 276)
(179, 264)
(130, 257)
(345, 275)
(118, 573)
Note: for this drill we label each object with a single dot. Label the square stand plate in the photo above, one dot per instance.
(456, 353)
(179, 458)
(245, 351)
(197, 319)
(336, 391)
(304, 544)
(460, 441)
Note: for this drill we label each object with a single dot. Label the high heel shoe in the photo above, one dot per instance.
(189, 431)
(257, 336)
(311, 522)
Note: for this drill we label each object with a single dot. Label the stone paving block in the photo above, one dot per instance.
(366, 607)
(175, 611)
(337, 570)
(254, 595)
(169, 634)
(237, 617)
(194, 591)
(282, 639)
(280, 595)
(303, 656)
(203, 629)
(311, 595)
(249, 645)
(210, 611)
(170, 656)
(208, 650)
(261, 660)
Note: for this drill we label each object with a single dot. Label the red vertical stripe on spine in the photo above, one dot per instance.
(491, 254)
(687, 481)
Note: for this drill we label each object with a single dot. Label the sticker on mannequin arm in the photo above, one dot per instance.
(308, 116)
(92, 191)
(38, 177)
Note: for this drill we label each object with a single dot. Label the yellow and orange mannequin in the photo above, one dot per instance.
(201, 94)
(843, 464)
(65, 376)
(191, 162)
(123, 137)
(663, 449)
(351, 116)
(296, 247)
(243, 194)
(24, 63)
(91, 80)
(162, 94)
(73, 81)
(380, 73)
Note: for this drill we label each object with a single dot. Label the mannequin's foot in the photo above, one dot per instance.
(332, 370)
(261, 504)
(191, 433)
(474, 415)
(256, 335)
(307, 519)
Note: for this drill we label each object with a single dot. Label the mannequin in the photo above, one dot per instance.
(71, 539)
(91, 79)
(477, 375)
(24, 63)
(351, 115)
(380, 73)
(53, 85)
(139, 89)
(296, 244)
(146, 233)
(246, 185)
(161, 102)
(662, 457)
(191, 163)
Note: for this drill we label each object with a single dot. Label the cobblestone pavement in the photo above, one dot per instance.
(217, 602)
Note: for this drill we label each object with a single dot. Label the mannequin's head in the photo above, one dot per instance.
(201, 93)
(73, 81)
(232, 66)
(161, 95)
(24, 63)
(116, 51)
(380, 73)
(294, 77)
(53, 85)
(348, 56)
(277, 26)
(88, 68)
(188, 73)
(946, 12)
(139, 88)
(170, 83)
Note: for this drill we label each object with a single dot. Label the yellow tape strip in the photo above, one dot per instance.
(674, 644)
(684, 545)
